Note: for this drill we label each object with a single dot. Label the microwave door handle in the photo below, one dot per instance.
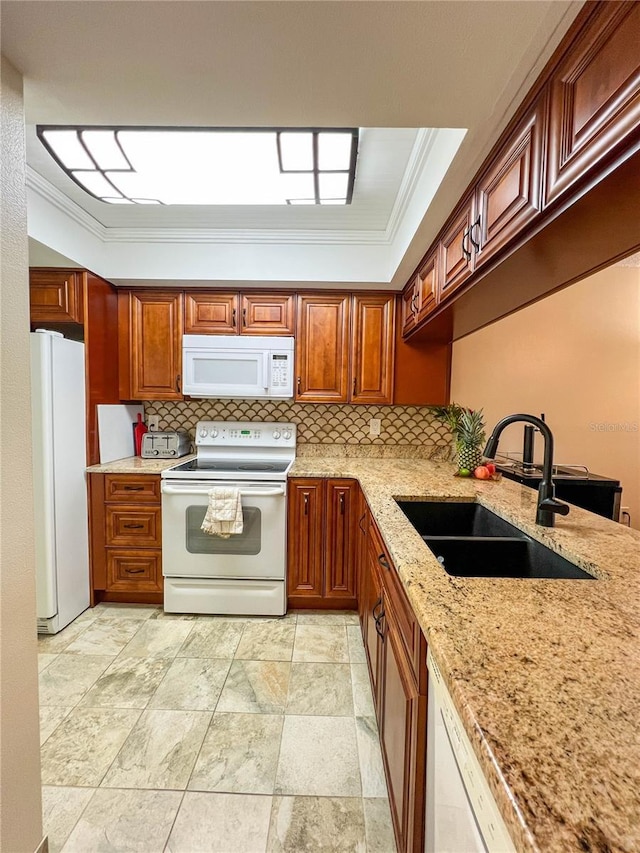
(266, 365)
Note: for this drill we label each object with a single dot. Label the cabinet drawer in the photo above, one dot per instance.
(133, 525)
(129, 487)
(408, 627)
(134, 571)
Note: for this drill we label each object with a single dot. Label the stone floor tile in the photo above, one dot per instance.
(317, 825)
(125, 821)
(212, 639)
(50, 718)
(104, 637)
(160, 751)
(267, 641)
(319, 757)
(256, 687)
(320, 689)
(371, 769)
(356, 646)
(127, 683)
(239, 754)
(83, 746)
(221, 823)
(66, 680)
(158, 639)
(321, 644)
(362, 697)
(191, 684)
(61, 808)
(378, 826)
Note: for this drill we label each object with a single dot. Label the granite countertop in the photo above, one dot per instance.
(544, 673)
(137, 465)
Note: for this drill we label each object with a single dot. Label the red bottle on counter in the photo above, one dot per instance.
(139, 430)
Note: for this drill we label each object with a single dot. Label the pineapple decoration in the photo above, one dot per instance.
(469, 438)
(467, 428)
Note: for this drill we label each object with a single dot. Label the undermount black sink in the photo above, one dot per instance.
(471, 541)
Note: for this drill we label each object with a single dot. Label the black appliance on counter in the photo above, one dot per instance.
(574, 484)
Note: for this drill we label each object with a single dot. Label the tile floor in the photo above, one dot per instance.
(193, 734)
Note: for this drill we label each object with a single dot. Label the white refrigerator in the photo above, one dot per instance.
(59, 479)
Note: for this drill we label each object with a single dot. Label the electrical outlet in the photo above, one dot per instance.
(153, 422)
(374, 426)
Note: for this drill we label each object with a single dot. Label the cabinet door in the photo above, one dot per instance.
(428, 280)
(341, 539)
(268, 314)
(372, 348)
(373, 624)
(595, 97)
(402, 736)
(409, 306)
(508, 195)
(305, 552)
(361, 558)
(211, 313)
(56, 296)
(153, 325)
(322, 348)
(457, 257)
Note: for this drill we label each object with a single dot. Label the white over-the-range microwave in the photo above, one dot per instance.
(237, 366)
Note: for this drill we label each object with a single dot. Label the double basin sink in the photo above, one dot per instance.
(471, 541)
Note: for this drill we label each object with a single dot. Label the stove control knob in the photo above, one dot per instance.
(286, 434)
(203, 433)
(214, 433)
(276, 434)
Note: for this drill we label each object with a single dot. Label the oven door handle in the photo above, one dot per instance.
(266, 493)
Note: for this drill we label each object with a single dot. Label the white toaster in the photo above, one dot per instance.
(165, 445)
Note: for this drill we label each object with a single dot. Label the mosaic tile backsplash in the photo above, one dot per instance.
(408, 430)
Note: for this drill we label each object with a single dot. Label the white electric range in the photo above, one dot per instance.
(246, 573)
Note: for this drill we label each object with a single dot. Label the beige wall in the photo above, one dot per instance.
(576, 357)
(20, 810)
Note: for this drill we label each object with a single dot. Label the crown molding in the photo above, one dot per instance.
(418, 161)
(244, 235)
(51, 194)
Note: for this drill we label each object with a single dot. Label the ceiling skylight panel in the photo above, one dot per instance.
(207, 166)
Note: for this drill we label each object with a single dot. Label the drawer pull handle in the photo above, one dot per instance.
(133, 488)
(375, 607)
(134, 571)
(133, 526)
(383, 562)
(233, 318)
(341, 502)
(360, 520)
(306, 503)
(476, 243)
(244, 316)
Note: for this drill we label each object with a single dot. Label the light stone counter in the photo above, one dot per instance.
(544, 673)
(137, 465)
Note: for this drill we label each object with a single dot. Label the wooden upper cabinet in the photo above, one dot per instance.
(341, 539)
(594, 97)
(322, 348)
(56, 295)
(508, 194)
(305, 539)
(455, 246)
(428, 281)
(150, 327)
(372, 348)
(211, 313)
(268, 314)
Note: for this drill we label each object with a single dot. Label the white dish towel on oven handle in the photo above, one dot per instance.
(224, 512)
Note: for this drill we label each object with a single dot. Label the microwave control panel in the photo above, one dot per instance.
(280, 370)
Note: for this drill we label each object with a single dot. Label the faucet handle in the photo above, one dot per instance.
(552, 505)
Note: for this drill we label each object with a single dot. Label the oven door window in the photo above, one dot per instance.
(247, 542)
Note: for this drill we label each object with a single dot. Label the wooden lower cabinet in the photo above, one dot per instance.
(397, 659)
(321, 543)
(125, 543)
(403, 731)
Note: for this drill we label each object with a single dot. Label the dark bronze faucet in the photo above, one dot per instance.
(548, 506)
